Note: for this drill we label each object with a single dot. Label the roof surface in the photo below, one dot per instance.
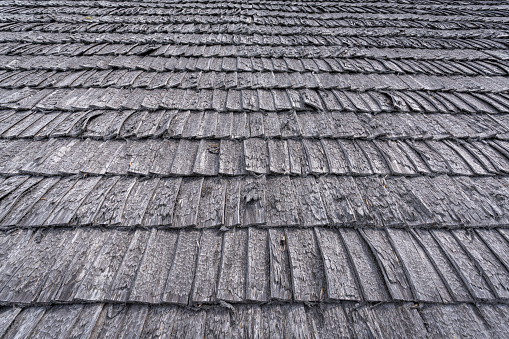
(274, 169)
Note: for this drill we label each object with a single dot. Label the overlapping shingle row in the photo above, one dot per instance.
(249, 100)
(272, 169)
(273, 201)
(210, 157)
(338, 320)
(253, 265)
(174, 124)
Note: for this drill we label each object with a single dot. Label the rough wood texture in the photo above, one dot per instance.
(211, 211)
(21, 204)
(180, 278)
(337, 200)
(23, 287)
(494, 272)
(279, 157)
(336, 159)
(187, 201)
(24, 323)
(231, 159)
(370, 278)
(160, 209)
(207, 159)
(341, 280)
(280, 275)
(154, 268)
(126, 274)
(254, 170)
(281, 207)
(232, 204)
(390, 264)
(312, 210)
(443, 265)
(69, 203)
(163, 157)
(207, 267)
(308, 278)
(256, 156)
(102, 272)
(252, 201)
(57, 321)
(184, 157)
(89, 206)
(257, 285)
(425, 281)
(316, 155)
(449, 321)
(56, 277)
(110, 212)
(472, 277)
(498, 245)
(232, 274)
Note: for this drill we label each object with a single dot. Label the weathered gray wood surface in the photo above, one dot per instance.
(264, 170)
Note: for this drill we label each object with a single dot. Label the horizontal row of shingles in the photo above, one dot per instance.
(293, 6)
(283, 5)
(210, 157)
(256, 39)
(206, 51)
(212, 8)
(129, 124)
(482, 15)
(127, 78)
(255, 100)
(335, 320)
(279, 201)
(432, 13)
(193, 23)
(363, 21)
(368, 16)
(243, 64)
(271, 19)
(242, 265)
(110, 24)
(245, 24)
(284, 26)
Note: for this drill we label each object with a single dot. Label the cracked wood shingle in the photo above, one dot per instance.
(207, 169)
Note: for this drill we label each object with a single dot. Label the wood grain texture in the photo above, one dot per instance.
(465, 267)
(102, 272)
(233, 272)
(370, 277)
(187, 202)
(280, 275)
(306, 267)
(265, 170)
(180, 278)
(257, 284)
(208, 263)
(425, 282)
(340, 277)
(155, 266)
(126, 274)
(390, 264)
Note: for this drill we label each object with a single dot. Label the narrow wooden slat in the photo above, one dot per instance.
(232, 277)
(180, 278)
(257, 284)
(207, 268)
(339, 273)
(308, 279)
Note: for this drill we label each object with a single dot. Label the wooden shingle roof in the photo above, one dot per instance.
(271, 169)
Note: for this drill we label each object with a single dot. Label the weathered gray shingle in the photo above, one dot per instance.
(271, 169)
